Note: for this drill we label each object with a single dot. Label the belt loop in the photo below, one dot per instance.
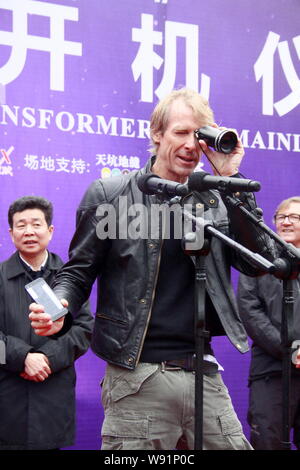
(163, 368)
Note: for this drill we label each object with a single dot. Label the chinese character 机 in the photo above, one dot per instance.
(147, 59)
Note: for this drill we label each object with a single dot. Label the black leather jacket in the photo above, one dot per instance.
(127, 269)
(260, 307)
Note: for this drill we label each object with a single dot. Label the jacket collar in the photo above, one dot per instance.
(16, 268)
(148, 166)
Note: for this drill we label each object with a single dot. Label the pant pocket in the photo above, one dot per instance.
(130, 382)
(232, 432)
(129, 426)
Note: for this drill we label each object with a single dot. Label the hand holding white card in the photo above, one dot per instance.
(42, 294)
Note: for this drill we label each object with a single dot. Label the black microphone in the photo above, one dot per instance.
(153, 184)
(201, 181)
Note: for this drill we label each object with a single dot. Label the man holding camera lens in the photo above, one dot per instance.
(144, 326)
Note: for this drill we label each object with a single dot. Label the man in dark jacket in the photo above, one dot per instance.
(260, 304)
(37, 375)
(144, 326)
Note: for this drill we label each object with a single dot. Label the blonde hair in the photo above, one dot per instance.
(160, 116)
(287, 202)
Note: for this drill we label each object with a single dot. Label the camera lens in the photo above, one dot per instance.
(222, 141)
(226, 141)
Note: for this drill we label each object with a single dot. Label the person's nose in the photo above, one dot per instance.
(190, 142)
(286, 220)
(29, 230)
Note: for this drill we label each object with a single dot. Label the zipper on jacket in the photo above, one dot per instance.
(152, 298)
(151, 306)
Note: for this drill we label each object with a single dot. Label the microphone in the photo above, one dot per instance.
(153, 184)
(201, 181)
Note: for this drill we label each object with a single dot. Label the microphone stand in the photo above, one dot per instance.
(286, 269)
(200, 329)
(200, 280)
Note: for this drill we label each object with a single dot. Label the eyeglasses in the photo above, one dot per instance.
(292, 218)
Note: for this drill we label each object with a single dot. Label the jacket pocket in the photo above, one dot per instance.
(106, 317)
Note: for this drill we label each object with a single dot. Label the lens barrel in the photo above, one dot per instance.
(221, 140)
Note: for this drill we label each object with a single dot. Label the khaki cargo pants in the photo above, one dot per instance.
(150, 409)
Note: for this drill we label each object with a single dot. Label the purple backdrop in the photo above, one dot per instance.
(78, 81)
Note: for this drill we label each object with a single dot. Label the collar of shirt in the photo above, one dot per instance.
(41, 266)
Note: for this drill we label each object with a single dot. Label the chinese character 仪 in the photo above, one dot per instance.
(264, 70)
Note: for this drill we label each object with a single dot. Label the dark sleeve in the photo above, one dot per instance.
(254, 314)
(64, 349)
(87, 252)
(13, 350)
